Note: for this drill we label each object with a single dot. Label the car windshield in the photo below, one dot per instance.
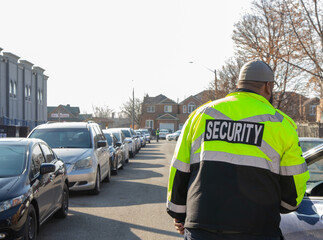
(64, 137)
(307, 145)
(316, 171)
(145, 131)
(12, 160)
(109, 139)
(126, 133)
(117, 135)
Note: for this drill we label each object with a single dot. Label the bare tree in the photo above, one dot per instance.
(304, 19)
(263, 35)
(127, 109)
(101, 112)
(226, 78)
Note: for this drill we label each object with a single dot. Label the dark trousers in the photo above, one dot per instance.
(157, 137)
(198, 234)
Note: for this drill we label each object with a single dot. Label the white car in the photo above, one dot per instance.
(163, 133)
(173, 136)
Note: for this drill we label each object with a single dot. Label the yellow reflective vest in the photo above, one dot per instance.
(237, 165)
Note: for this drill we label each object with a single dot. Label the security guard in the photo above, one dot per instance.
(157, 134)
(237, 165)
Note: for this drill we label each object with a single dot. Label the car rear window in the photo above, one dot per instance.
(12, 160)
(64, 137)
(109, 139)
(126, 133)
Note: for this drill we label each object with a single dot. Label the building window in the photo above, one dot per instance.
(10, 88)
(150, 123)
(312, 110)
(184, 109)
(151, 109)
(15, 89)
(191, 107)
(168, 108)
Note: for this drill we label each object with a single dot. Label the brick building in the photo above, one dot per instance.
(164, 113)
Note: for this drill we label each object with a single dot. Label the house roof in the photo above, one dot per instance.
(158, 99)
(73, 110)
(191, 97)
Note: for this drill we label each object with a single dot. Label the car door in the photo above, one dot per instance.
(56, 177)
(307, 221)
(43, 183)
(101, 152)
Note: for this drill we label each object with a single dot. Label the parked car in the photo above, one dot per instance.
(131, 140)
(122, 140)
(147, 134)
(116, 153)
(309, 142)
(136, 138)
(142, 137)
(307, 221)
(83, 148)
(173, 136)
(163, 133)
(33, 187)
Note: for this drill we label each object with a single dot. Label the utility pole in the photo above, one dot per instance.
(215, 79)
(133, 108)
(215, 85)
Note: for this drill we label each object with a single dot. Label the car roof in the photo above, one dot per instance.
(304, 139)
(19, 141)
(112, 130)
(65, 125)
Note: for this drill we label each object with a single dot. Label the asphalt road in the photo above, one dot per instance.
(131, 207)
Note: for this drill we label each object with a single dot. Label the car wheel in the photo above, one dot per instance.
(31, 224)
(115, 171)
(63, 211)
(96, 189)
(107, 178)
(176, 138)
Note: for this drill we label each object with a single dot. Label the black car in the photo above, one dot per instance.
(116, 153)
(33, 186)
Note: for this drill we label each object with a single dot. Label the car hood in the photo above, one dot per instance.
(306, 222)
(6, 185)
(71, 155)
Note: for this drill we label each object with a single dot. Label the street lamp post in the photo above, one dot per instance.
(215, 80)
(133, 107)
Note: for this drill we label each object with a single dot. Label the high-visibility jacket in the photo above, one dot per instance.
(237, 165)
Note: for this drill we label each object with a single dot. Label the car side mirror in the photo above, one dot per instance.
(47, 168)
(118, 144)
(101, 144)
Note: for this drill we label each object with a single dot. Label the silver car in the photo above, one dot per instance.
(83, 148)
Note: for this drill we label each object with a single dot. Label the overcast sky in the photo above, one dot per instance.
(95, 52)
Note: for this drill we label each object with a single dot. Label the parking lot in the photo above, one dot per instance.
(132, 206)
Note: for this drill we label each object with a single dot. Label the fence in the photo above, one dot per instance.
(310, 130)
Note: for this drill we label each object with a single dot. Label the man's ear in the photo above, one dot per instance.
(268, 88)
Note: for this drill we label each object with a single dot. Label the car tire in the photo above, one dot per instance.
(107, 178)
(31, 224)
(97, 188)
(63, 211)
(115, 171)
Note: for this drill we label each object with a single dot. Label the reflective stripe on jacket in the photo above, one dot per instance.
(236, 166)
